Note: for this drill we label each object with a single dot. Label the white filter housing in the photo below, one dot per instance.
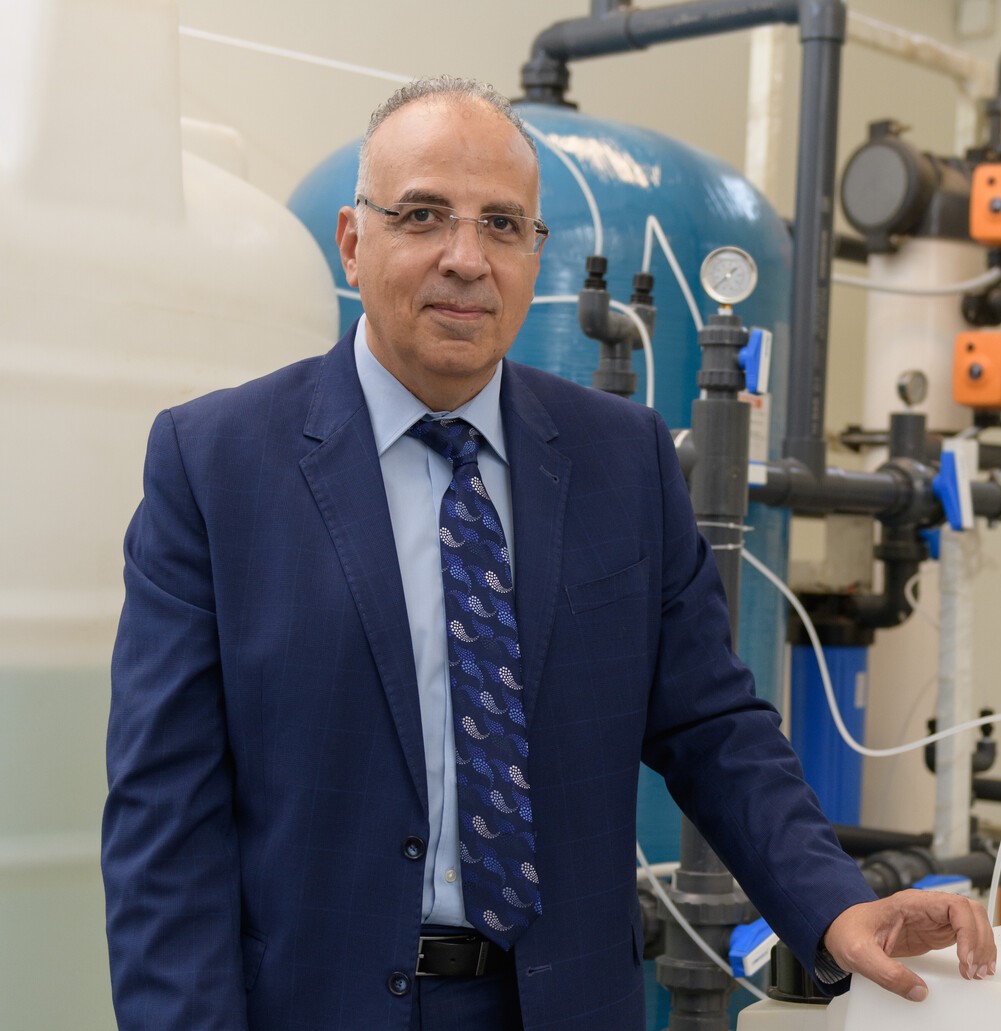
(952, 1002)
(132, 277)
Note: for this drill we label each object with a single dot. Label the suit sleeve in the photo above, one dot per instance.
(169, 855)
(721, 752)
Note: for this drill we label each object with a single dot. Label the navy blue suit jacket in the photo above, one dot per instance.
(265, 753)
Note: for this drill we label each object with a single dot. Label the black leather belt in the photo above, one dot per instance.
(460, 955)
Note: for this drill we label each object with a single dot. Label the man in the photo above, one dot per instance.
(301, 716)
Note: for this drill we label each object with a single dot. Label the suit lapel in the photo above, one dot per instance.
(345, 477)
(540, 478)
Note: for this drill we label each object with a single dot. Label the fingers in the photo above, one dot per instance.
(968, 924)
(975, 943)
(888, 973)
(865, 938)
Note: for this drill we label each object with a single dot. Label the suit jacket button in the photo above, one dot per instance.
(413, 848)
(399, 983)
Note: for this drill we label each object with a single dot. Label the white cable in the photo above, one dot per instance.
(653, 227)
(987, 278)
(378, 73)
(294, 55)
(647, 346)
(910, 594)
(574, 170)
(351, 295)
(641, 327)
(825, 677)
(666, 870)
(690, 931)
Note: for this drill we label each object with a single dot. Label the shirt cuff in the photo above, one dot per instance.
(826, 969)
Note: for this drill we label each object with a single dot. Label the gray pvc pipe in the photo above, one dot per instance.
(626, 28)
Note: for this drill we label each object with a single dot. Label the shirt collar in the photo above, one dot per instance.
(393, 409)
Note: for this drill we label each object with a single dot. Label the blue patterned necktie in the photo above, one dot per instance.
(500, 886)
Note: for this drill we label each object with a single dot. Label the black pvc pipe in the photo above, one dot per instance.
(790, 484)
(891, 606)
(863, 841)
(894, 870)
(987, 789)
(627, 28)
(822, 37)
(884, 492)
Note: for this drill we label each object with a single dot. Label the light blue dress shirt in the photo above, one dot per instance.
(416, 478)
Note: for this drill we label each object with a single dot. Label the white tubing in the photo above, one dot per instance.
(654, 228)
(689, 930)
(293, 55)
(911, 595)
(954, 757)
(970, 73)
(987, 278)
(640, 326)
(765, 94)
(647, 346)
(666, 869)
(825, 677)
(574, 170)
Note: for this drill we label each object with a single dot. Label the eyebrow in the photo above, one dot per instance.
(419, 196)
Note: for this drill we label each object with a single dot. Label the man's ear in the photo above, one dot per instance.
(347, 243)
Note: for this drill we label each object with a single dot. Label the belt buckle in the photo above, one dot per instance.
(420, 951)
(481, 960)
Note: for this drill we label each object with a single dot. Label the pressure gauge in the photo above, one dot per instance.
(729, 275)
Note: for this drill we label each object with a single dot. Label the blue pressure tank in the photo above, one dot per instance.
(701, 203)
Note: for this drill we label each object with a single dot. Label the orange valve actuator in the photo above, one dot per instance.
(985, 204)
(976, 369)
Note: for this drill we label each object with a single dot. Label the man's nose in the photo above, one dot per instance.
(463, 253)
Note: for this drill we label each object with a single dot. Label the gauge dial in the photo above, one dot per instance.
(729, 275)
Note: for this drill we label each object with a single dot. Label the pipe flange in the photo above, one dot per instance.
(919, 506)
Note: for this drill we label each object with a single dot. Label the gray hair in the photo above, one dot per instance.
(447, 87)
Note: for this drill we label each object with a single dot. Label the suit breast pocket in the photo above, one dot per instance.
(610, 589)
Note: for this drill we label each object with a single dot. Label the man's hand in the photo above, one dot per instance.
(864, 937)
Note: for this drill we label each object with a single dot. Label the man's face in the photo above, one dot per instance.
(442, 308)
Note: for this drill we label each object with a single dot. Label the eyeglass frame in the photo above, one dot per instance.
(541, 229)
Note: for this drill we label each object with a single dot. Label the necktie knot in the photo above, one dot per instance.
(454, 439)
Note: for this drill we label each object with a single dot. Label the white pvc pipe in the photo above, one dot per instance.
(765, 83)
(972, 75)
(953, 755)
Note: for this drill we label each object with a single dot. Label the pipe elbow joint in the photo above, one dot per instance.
(823, 19)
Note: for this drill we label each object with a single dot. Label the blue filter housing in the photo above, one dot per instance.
(701, 204)
(832, 769)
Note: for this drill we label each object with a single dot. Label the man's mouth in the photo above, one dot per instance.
(458, 311)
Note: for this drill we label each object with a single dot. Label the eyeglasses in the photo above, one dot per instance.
(499, 232)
